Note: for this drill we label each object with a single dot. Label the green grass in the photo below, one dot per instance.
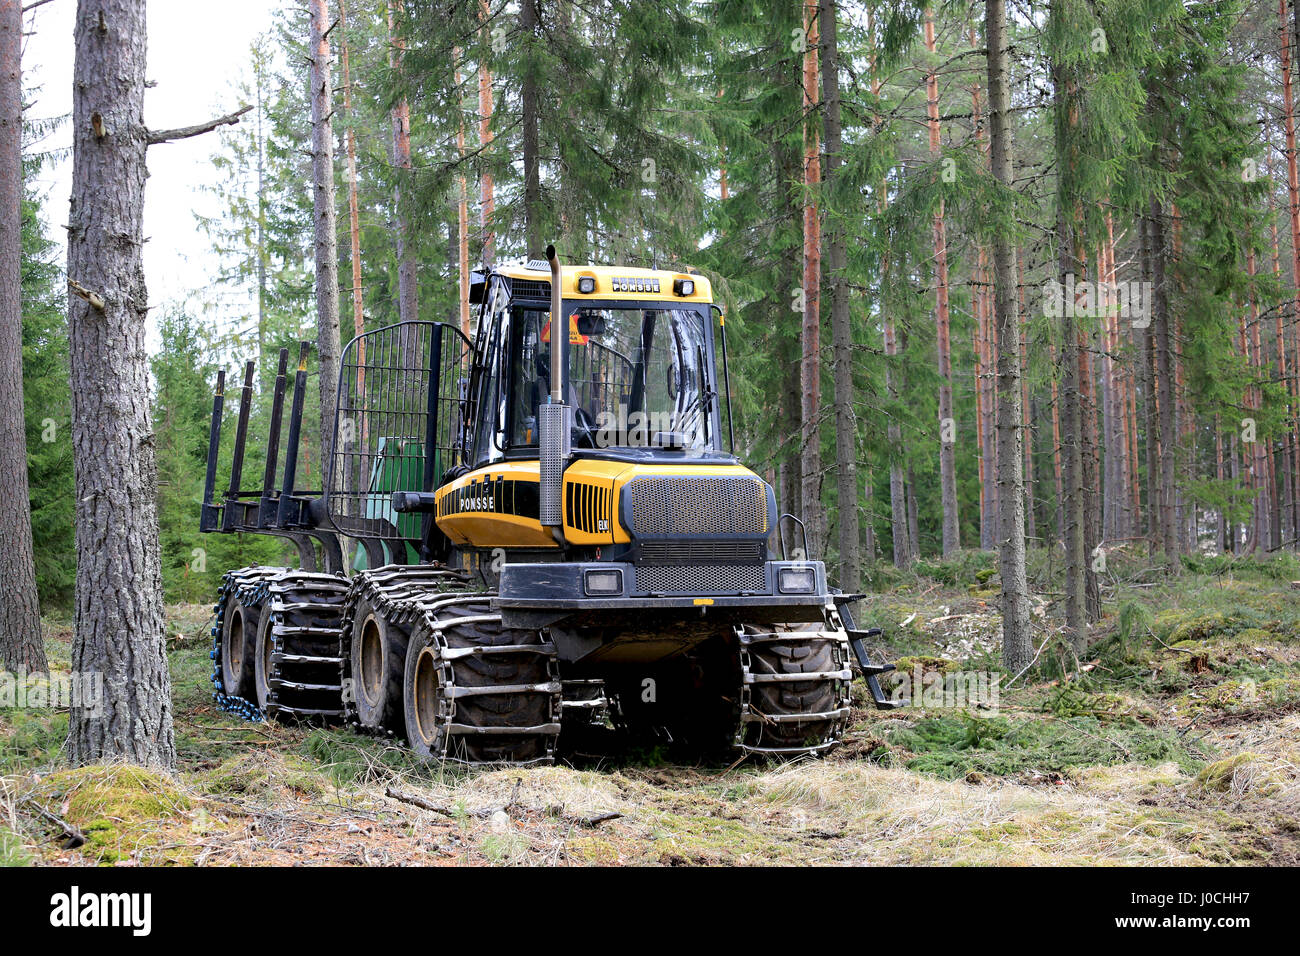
(954, 747)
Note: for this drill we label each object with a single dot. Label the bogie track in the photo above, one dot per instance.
(288, 664)
(471, 690)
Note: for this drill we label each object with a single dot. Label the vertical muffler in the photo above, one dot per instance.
(555, 417)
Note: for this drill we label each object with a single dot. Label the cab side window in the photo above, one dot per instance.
(488, 444)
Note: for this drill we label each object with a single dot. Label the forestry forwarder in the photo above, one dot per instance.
(548, 533)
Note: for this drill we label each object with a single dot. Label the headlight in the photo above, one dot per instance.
(603, 581)
(797, 580)
(684, 286)
(586, 285)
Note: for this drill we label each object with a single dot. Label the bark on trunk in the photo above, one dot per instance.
(408, 303)
(119, 635)
(1017, 646)
(810, 363)
(326, 237)
(20, 616)
(947, 424)
(531, 148)
(1167, 434)
(462, 225)
(837, 256)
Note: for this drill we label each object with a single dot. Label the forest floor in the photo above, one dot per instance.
(1176, 740)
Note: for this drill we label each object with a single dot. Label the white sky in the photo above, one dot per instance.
(196, 57)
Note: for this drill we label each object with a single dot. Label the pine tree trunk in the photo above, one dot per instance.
(354, 216)
(810, 362)
(913, 521)
(20, 615)
(1073, 503)
(487, 199)
(1017, 646)
(1167, 433)
(837, 256)
(462, 223)
(1027, 418)
(326, 237)
(947, 424)
(119, 635)
(531, 148)
(1293, 210)
(408, 304)
(903, 553)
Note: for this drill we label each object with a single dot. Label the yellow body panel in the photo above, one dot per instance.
(605, 286)
(496, 506)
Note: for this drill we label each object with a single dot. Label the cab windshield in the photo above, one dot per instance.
(637, 377)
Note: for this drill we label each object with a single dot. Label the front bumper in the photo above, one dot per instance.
(563, 587)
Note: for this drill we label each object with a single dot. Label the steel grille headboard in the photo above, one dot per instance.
(401, 391)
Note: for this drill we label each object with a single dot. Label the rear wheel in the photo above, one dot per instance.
(238, 631)
(378, 655)
(476, 692)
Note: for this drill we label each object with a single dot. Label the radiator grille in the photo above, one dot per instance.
(682, 507)
(701, 552)
(587, 507)
(701, 579)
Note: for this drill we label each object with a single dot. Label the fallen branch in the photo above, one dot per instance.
(185, 132)
(94, 298)
(416, 801)
(72, 837)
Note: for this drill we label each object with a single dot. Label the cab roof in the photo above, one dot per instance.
(610, 282)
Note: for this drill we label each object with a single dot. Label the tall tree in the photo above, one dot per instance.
(531, 109)
(119, 627)
(407, 295)
(327, 266)
(837, 260)
(1016, 644)
(20, 616)
(947, 423)
(810, 448)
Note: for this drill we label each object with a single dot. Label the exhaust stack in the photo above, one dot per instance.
(555, 418)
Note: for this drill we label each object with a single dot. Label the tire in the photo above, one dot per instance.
(801, 655)
(238, 633)
(263, 647)
(428, 678)
(378, 664)
(422, 698)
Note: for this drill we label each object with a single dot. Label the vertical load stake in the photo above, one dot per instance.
(268, 509)
(208, 512)
(295, 430)
(241, 436)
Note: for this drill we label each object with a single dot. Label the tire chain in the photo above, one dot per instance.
(773, 657)
(244, 582)
(392, 591)
(305, 608)
(420, 598)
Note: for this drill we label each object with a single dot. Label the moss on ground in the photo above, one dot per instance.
(123, 810)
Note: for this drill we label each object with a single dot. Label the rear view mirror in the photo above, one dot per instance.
(591, 323)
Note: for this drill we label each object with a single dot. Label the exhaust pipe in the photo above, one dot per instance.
(555, 418)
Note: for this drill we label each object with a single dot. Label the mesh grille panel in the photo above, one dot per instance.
(702, 579)
(663, 507)
(395, 384)
(530, 288)
(702, 552)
